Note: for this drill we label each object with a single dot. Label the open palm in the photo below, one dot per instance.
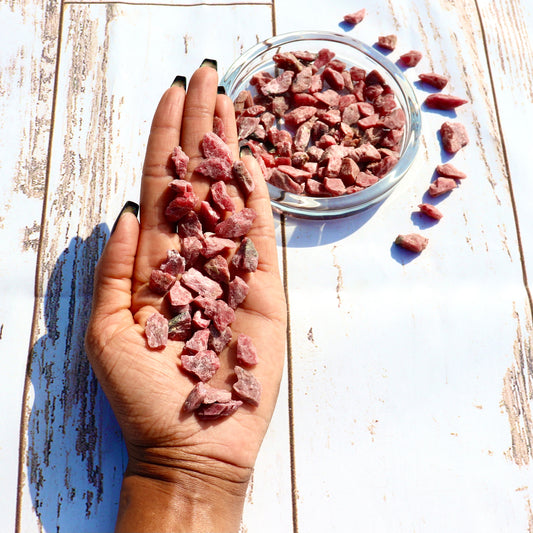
(146, 388)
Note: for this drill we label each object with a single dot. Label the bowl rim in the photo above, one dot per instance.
(338, 206)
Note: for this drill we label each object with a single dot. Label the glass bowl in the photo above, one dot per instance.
(353, 53)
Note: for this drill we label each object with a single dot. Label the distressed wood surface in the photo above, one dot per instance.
(406, 404)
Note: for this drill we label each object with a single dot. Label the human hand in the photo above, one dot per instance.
(183, 474)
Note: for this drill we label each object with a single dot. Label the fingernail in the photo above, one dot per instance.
(180, 81)
(245, 150)
(129, 207)
(221, 89)
(209, 63)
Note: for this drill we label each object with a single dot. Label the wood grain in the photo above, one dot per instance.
(399, 361)
(28, 39)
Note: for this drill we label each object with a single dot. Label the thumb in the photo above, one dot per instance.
(114, 271)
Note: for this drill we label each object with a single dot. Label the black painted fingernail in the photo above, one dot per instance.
(129, 207)
(245, 150)
(221, 89)
(180, 81)
(209, 63)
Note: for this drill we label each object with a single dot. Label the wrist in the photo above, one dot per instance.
(159, 497)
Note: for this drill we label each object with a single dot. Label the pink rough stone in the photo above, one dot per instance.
(199, 321)
(175, 263)
(204, 394)
(219, 339)
(156, 330)
(237, 292)
(217, 410)
(198, 342)
(246, 350)
(447, 170)
(179, 295)
(236, 225)
(283, 181)
(441, 186)
(246, 257)
(217, 269)
(444, 101)
(219, 128)
(221, 198)
(160, 281)
(213, 146)
(181, 160)
(431, 211)
(355, 18)
(190, 226)
(215, 168)
(204, 286)
(191, 247)
(208, 215)
(203, 364)
(214, 245)
(411, 58)
(220, 313)
(243, 178)
(388, 42)
(278, 85)
(453, 136)
(247, 387)
(412, 242)
(436, 80)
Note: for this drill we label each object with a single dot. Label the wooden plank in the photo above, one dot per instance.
(508, 35)
(400, 364)
(108, 87)
(28, 39)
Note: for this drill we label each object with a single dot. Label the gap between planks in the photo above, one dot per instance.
(505, 159)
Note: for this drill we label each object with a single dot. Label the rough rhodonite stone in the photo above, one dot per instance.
(156, 330)
(247, 386)
(202, 364)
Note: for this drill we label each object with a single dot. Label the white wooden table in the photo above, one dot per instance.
(407, 397)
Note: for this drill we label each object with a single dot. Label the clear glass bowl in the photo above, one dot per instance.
(353, 53)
